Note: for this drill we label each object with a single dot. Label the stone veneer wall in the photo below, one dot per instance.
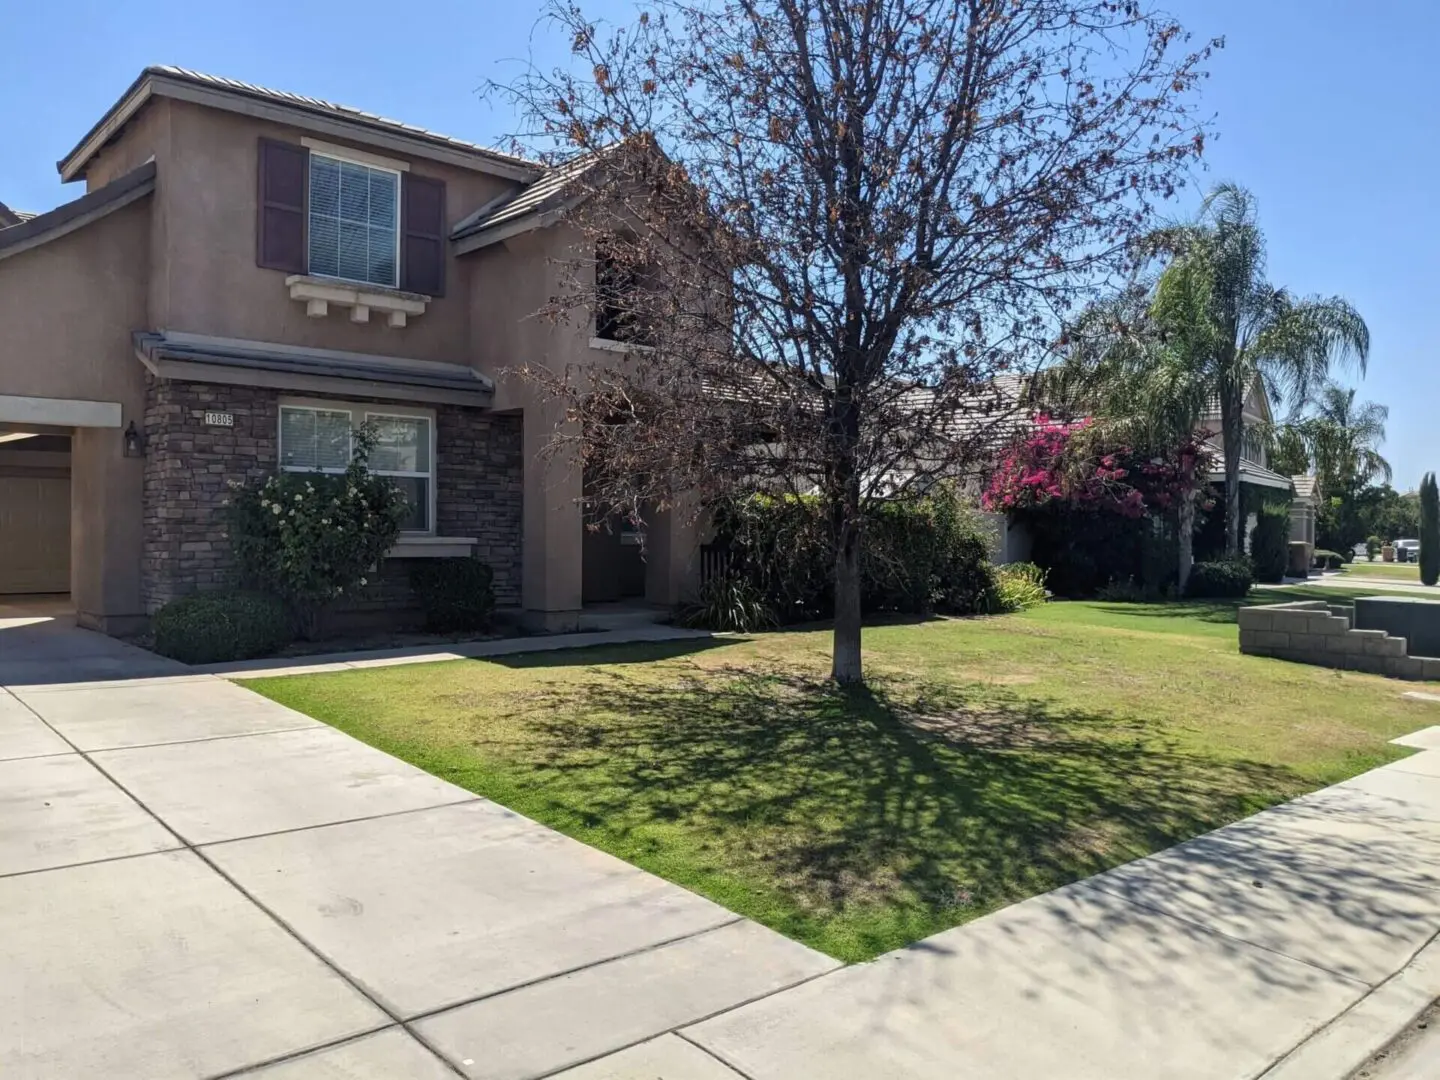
(189, 466)
(1313, 632)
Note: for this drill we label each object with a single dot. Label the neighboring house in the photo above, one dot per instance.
(1304, 511)
(249, 275)
(1254, 458)
(1013, 544)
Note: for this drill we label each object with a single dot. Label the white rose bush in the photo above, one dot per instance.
(310, 537)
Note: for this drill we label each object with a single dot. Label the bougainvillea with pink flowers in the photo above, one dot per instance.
(1067, 461)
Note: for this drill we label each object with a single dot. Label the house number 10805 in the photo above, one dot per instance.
(220, 419)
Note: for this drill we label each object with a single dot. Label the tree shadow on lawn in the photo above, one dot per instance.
(899, 810)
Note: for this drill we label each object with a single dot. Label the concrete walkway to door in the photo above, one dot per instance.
(196, 882)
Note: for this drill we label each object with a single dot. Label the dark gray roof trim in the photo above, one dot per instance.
(535, 207)
(196, 358)
(42, 228)
(316, 114)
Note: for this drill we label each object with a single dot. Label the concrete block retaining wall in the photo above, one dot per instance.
(1313, 632)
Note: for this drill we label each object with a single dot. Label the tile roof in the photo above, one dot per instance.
(10, 216)
(317, 106)
(37, 229)
(1251, 473)
(550, 192)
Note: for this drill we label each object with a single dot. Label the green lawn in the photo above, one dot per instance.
(1388, 571)
(991, 759)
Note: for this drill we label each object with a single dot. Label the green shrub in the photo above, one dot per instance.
(217, 627)
(727, 603)
(1221, 579)
(309, 537)
(456, 595)
(918, 556)
(1429, 530)
(1327, 560)
(1018, 586)
(1270, 542)
(1128, 591)
(1373, 544)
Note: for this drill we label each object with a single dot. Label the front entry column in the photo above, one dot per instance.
(552, 543)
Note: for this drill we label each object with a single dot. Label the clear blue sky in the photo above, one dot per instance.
(1323, 108)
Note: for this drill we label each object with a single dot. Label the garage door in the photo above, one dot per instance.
(34, 534)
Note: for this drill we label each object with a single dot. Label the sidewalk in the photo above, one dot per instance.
(1290, 945)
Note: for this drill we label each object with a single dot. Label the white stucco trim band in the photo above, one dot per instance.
(319, 293)
(59, 412)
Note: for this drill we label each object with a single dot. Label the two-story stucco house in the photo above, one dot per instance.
(249, 275)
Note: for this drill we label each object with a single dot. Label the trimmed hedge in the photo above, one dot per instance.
(918, 556)
(1270, 542)
(1328, 560)
(456, 595)
(217, 627)
(1220, 579)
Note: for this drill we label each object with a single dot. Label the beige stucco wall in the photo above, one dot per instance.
(509, 283)
(184, 260)
(67, 309)
(204, 277)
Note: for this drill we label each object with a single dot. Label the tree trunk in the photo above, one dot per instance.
(1232, 428)
(845, 667)
(1186, 526)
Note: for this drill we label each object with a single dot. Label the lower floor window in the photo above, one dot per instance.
(320, 438)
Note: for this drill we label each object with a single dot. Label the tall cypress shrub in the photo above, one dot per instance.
(1429, 530)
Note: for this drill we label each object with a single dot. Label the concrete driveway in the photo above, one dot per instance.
(40, 643)
(196, 881)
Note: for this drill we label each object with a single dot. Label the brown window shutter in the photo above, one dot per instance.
(280, 235)
(422, 235)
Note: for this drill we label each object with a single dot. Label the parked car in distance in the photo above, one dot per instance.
(1407, 550)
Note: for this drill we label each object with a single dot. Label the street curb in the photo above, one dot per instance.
(1346, 1044)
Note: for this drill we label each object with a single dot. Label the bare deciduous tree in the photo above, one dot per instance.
(825, 227)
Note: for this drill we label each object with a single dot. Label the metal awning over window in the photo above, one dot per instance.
(196, 358)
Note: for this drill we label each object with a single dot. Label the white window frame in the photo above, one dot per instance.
(367, 412)
(364, 162)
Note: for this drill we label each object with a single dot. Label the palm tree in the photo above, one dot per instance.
(1137, 365)
(1253, 330)
(1345, 439)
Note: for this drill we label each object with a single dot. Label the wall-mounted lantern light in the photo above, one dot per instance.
(134, 442)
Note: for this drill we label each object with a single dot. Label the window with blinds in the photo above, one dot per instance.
(314, 440)
(354, 221)
(402, 452)
(317, 439)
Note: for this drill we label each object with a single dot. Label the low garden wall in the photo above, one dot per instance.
(1313, 632)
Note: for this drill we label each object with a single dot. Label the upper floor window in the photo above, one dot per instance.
(617, 285)
(354, 222)
(332, 212)
(320, 438)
